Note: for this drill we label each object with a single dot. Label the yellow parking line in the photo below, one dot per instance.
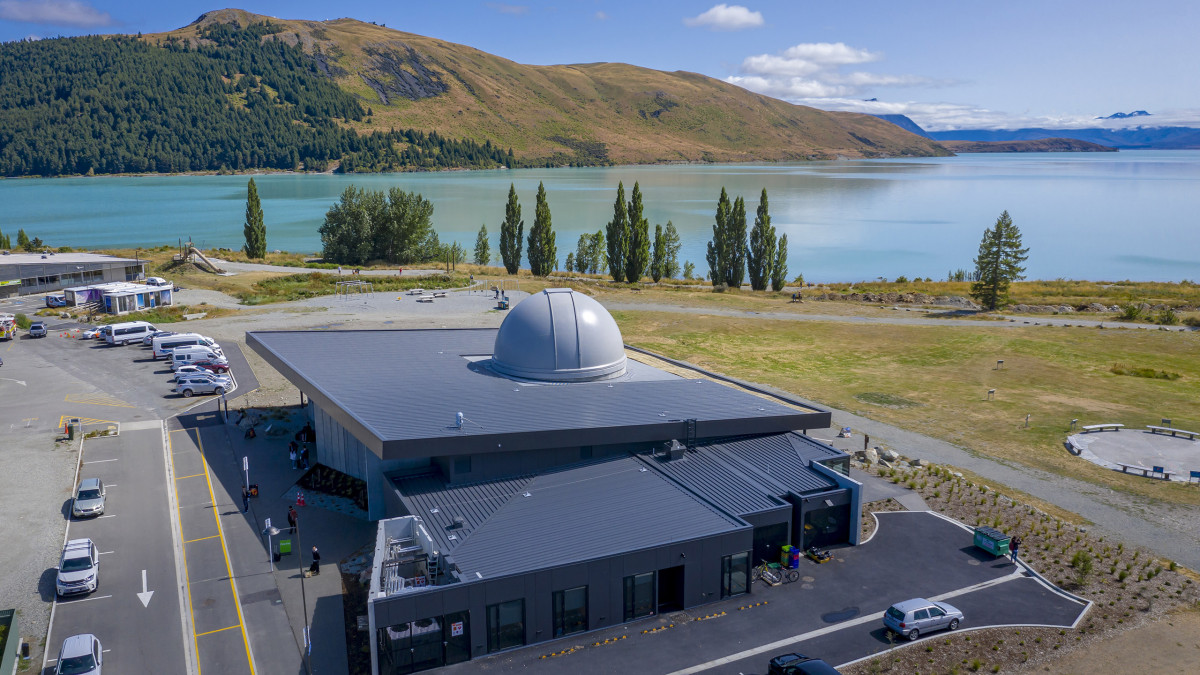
(218, 630)
(186, 572)
(201, 539)
(195, 475)
(237, 603)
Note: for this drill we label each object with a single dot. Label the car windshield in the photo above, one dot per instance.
(89, 494)
(77, 665)
(76, 564)
(895, 614)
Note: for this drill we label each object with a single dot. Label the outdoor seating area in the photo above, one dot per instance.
(1174, 432)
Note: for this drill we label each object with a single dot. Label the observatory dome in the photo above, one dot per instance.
(559, 335)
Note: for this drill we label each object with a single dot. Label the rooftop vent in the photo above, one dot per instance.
(674, 449)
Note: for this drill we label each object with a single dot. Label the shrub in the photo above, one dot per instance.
(23, 322)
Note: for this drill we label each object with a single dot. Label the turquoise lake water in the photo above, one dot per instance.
(1102, 216)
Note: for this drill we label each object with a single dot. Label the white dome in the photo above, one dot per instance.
(559, 335)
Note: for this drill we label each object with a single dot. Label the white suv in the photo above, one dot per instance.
(196, 383)
(78, 569)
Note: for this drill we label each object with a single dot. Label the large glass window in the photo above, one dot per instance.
(639, 596)
(735, 570)
(506, 625)
(570, 611)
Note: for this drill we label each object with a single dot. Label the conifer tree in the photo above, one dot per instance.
(512, 231)
(735, 272)
(760, 258)
(543, 254)
(569, 265)
(637, 251)
(671, 244)
(254, 228)
(658, 256)
(718, 252)
(998, 263)
(22, 239)
(483, 250)
(779, 269)
(617, 235)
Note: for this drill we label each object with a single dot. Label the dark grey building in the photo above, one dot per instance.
(27, 273)
(541, 479)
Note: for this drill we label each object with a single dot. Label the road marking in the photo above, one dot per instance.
(145, 595)
(97, 399)
(106, 552)
(218, 630)
(877, 616)
(195, 475)
(94, 597)
(62, 420)
(183, 550)
(101, 461)
(201, 539)
(237, 601)
(110, 516)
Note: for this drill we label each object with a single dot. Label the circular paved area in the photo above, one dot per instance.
(1177, 454)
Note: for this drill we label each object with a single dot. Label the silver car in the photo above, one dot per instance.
(78, 568)
(89, 498)
(80, 655)
(912, 618)
(196, 383)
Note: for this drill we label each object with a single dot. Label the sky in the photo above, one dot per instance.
(947, 64)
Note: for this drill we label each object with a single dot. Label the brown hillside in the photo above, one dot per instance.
(1038, 145)
(597, 111)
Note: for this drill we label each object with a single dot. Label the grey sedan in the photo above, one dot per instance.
(912, 618)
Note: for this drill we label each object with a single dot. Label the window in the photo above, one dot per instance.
(506, 625)
(735, 569)
(570, 611)
(639, 596)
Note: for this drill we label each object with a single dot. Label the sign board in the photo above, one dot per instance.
(456, 629)
(268, 524)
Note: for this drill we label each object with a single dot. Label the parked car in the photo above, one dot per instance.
(89, 498)
(80, 655)
(78, 568)
(912, 618)
(56, 301)
(146, 341)
(157, 281)
(90, 333)
(799, 664)
(183, 371)
(213, 365)
(202, 384)
(37, 329)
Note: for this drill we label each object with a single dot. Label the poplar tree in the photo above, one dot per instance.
(543, 254)
(998, 263)
(23, 239)
(658, 257)
(637, 251)
(511, 232)
(717, 254)
(735, 271)
(254, 228)
(760, 260)
(672, 245)
(779, 269)
(483, 251)
(617, 235)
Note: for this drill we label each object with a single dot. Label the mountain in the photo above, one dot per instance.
(1125, 116)
(905, 123)
(1041, 145)
(585, 113)
(1138, 138)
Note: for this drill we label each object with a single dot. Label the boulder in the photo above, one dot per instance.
(884, 464)
(889, 455)
(870, 456)
(1096, 307)
(916, 463)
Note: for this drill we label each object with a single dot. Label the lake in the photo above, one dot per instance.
(1099, 216)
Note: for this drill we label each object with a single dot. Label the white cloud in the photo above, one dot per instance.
(515, 10)
(726, 17)
(54, 13)
(814, 70)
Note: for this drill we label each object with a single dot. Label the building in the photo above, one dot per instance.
(120, 297)
(543, 479)
(29, 273)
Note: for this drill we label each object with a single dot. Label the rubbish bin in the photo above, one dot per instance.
(74, 425)
(992, 540)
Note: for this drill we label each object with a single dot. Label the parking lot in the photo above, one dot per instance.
(835, 611)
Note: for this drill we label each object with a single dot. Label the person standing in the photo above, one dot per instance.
(315, 567)
(245, 499)
(292, 515)
(866, 441)
(292, 454)
(1013, 547)
(304, 456)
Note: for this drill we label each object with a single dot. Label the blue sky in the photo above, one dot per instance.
(945, 63)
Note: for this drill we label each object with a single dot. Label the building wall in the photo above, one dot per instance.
(604, 578)
(52, 276)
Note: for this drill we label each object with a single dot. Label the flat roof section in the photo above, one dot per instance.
(398, 391)
(772, 461)
(726, 486)
(439, 505)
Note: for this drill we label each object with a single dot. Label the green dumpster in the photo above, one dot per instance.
(992, 540)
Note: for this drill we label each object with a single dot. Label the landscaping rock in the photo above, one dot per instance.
(870, 456)
(890, 455)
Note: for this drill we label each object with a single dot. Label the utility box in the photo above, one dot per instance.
(285, 546)
(992, 540)
(74, 426)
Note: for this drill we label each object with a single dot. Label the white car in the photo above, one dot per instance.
(78, 568)
(157, 281)
(196, 383)
(90, 333)
(80, 655)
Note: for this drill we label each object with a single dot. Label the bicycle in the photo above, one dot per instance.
(774, 574)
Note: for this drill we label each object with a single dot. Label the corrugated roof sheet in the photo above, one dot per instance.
(438, 505)
(403, 388)
(773, 460)
(719, 482)
(579, 513)
(812, 449)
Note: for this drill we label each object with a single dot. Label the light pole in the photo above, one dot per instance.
(271, 531)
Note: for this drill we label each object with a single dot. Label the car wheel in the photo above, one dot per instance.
(914, 634)
(953, 624)
(219, 390)
(187, 393)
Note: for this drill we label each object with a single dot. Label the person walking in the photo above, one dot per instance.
(315, 568)
(304, 457)
(292, 515)
(245, 499)
(292, 454)
(1013, 547)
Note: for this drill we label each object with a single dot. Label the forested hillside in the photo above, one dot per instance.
(235, 101)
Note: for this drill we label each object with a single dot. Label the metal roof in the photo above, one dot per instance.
(719, 482)
(437, 504)
(814, 450)
(398, 392)
(73, 258)
(583, 513)
(772, 461)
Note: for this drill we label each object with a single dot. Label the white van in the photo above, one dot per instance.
(182, 355)
(164, 344)
(132, 331)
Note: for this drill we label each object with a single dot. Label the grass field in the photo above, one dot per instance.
(934, 379)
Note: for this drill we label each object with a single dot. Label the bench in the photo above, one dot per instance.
(440, 294)
(425, 298)
(417, 291)
(1126, 467)
(1103, 427)
(1190, 434)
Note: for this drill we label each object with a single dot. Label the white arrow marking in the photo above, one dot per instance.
(20, 382)
(145, 595)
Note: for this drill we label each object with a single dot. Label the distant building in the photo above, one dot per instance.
(29, 273)
(119, 297)
(542, 479)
